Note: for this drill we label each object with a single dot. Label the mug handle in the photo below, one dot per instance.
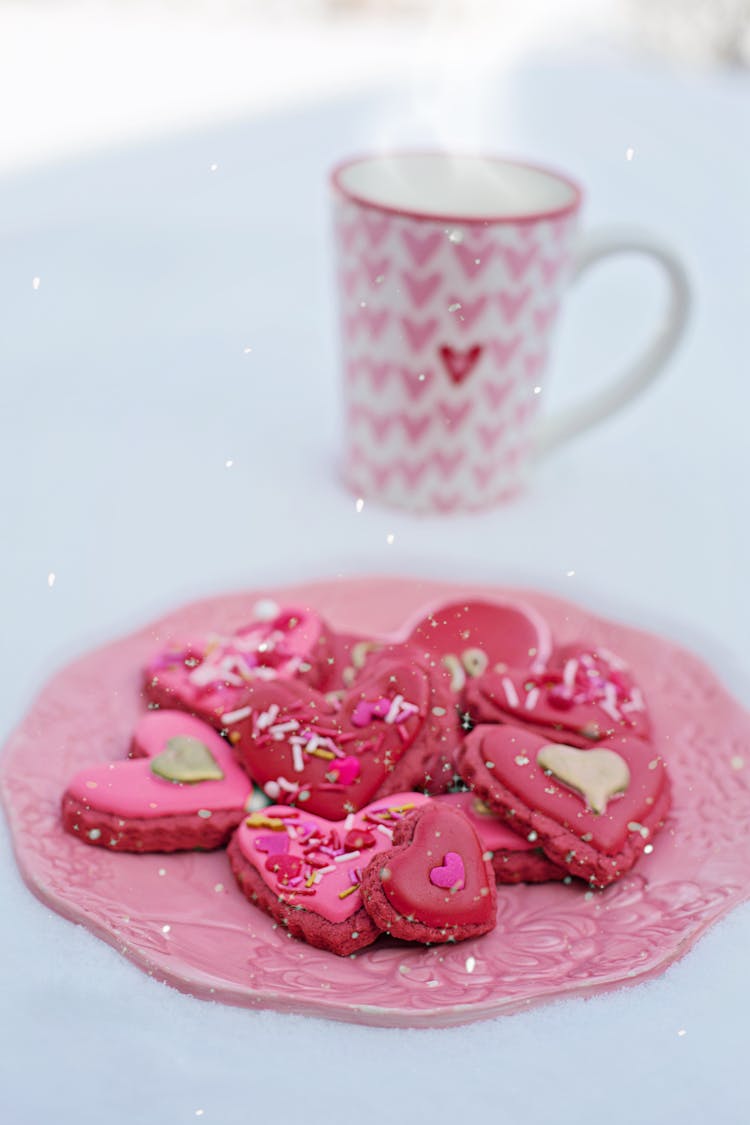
(593, 248)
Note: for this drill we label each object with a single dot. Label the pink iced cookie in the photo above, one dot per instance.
(443, 728)
(468, 638)
(515, 859)
(182, 789)
(391, 731)
(209, 676)
(581, 697)
(593, 811)
(434, 884)
(305, 871)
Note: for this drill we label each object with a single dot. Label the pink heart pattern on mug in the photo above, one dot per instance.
(444, 350)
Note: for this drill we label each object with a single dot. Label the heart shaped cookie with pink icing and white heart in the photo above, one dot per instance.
(331, 754)
(435, 884)
(305, 871)
(581, 696)
(182, 789)
(593, 811)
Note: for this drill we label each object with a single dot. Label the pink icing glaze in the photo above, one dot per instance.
(302, 830)
(513, 753)
(131, 789)
(493, 833)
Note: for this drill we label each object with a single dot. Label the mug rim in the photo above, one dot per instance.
(566, 209)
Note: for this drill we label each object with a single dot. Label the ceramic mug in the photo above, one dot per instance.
(451, 270)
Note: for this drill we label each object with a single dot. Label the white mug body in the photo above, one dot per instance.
(450, 274)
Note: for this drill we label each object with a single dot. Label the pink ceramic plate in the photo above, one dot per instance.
(182, 919)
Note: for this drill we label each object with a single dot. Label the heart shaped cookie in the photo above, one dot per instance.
(581, 697)
(435, 884)
(183, 789)
(514, 858)
(333, 754)
(208, 676)
(305, 870)
(466, 639)
(593, 811)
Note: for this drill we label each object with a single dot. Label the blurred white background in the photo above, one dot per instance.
(75, 74)
(165, 294)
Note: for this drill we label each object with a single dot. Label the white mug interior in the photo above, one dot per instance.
(455, 186)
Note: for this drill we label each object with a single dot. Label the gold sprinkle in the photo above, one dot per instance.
(360, 651)
(737, 762)
(318, 752)
(474, 661)
(260, 820)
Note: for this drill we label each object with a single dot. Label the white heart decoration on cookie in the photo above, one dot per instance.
(598, 775)
(186, 759)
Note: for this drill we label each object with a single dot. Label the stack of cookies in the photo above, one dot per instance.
(367, 787)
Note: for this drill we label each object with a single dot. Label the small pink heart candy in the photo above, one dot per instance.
(276, 843)
(362, 714)
(348, 770)
(451, 874)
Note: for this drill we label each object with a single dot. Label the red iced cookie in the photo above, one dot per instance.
(210, 675)
(582, 696)
(465, 639)
(593, 811)
(434, 885)
(514, 858)
(305, 871)
(333, 754)
(443, 729)
(182, 790)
